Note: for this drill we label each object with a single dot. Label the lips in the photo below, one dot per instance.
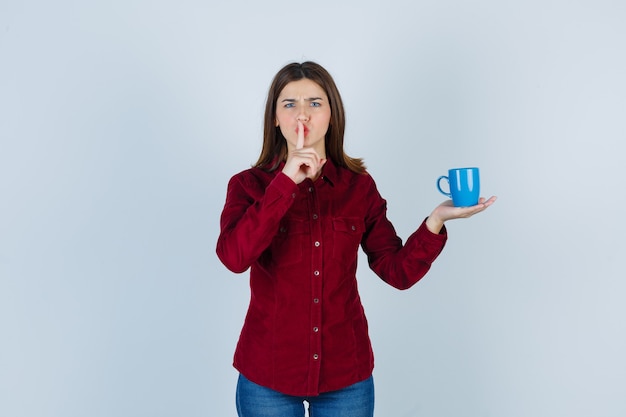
(306, 130)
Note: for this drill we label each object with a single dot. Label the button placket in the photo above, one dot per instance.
(316, 281)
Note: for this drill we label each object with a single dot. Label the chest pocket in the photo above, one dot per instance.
(286, 248)
(347, 233)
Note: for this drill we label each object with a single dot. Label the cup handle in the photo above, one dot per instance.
(449, 195)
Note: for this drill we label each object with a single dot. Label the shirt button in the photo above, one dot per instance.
(316, 300)
(317, 244)
(315, 356)
(310, 189)
(315, 217)
(353, 227)
(315, 329)
(316, 273)
(293, 195)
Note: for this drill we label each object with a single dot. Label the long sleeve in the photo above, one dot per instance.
(400, 265)
(251, 216)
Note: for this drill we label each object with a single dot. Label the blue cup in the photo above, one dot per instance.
(464, 186)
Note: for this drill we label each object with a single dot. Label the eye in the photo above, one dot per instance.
(315, 104)
(290, 105)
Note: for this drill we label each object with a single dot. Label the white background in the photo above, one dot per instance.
(122, 121)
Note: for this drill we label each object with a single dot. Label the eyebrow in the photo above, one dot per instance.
(307, 99)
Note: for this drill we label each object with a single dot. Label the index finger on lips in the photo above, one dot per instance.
(300, 142)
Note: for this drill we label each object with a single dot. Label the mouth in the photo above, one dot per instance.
(306, 130)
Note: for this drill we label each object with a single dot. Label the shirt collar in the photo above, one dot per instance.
(330, 172)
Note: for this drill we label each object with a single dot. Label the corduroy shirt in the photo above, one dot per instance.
(305, 331)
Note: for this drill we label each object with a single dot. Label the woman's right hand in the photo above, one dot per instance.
(302, 162)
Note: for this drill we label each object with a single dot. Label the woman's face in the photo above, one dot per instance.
(306, 101)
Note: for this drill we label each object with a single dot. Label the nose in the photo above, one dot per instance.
(302, 116)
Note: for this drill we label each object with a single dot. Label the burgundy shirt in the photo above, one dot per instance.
(305, 331)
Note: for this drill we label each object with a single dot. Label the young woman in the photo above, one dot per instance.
(296, 220)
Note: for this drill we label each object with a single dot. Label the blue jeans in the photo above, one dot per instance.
(253, 400)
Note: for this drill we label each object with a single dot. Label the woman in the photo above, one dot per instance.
(296, 219)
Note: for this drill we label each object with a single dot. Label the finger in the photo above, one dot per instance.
(300, 142)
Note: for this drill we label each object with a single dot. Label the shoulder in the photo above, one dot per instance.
(353, 183)
(347, 176)
(361, 180)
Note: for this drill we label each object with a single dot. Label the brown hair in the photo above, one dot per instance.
(274, 143)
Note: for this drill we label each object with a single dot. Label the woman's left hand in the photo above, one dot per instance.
(446, 211)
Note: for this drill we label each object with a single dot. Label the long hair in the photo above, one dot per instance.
(274, 143)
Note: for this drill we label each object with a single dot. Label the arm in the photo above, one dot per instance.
(251, 215)
(403, 265)
(251, 218)
(400, 265)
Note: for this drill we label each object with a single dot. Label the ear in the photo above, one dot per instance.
(276, 122)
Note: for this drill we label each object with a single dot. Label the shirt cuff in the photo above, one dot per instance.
(442, 232)
(426, 235)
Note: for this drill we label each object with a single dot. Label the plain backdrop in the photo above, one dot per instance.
(122, 121)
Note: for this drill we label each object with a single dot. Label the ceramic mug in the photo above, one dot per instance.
(464, 184)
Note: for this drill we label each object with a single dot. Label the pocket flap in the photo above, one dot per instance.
(348, 225)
